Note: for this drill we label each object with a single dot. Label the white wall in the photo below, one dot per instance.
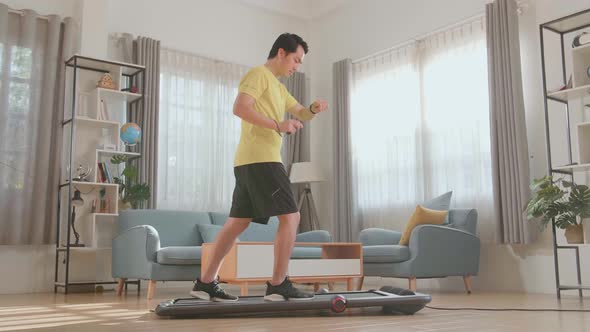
(373, 25)
(222, 29)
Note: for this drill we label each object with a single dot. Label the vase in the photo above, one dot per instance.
(574, 234)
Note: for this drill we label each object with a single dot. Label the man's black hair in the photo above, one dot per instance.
(289, 42)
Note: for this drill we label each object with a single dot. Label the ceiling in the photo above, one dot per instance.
(302, 9)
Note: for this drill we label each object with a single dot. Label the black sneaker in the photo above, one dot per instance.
(285, 292)
(211, 291)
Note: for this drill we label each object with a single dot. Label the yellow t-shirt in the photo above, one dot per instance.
(258, 144)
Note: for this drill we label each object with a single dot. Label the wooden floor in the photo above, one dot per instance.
(107, 312)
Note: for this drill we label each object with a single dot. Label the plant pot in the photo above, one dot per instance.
(574, 234)
(124, 206)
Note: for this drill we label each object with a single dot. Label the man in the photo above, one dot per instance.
(262, 186)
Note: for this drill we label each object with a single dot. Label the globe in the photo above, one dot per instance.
(130, 133)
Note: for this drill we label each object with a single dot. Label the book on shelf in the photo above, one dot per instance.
(103, 113)
(104, 174)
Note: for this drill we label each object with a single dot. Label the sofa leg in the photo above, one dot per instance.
(412, 282)
(467, 282)
(359, 286)
(120, 286)
(244, 289)
(151, 289)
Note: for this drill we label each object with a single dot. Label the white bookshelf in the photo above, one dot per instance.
(95, 116)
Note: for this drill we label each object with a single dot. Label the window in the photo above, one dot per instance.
(420, 127)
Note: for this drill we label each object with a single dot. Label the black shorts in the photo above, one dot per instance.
(262, 190)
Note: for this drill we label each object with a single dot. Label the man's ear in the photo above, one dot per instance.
(282, 53)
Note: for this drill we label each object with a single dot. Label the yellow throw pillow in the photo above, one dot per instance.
(422, 216)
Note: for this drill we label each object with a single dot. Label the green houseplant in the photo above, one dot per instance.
(131, 193)
(563, 201)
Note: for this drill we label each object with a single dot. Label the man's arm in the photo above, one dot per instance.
(300, 112)
(307, 113)
(244, 109)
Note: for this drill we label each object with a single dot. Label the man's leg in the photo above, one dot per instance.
(223, 243)
(280, 288)
(283, 246)
(207, 287)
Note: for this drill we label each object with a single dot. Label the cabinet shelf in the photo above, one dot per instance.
(103, 65)
(83, 249)
(93, 118)
(570, 94)
(94, 122)
(115, 95)
(574, 66)
(93, 184)
(573, 168)
(106, 214)
(113, 152)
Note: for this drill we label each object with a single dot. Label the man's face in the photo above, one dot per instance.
(291, 62)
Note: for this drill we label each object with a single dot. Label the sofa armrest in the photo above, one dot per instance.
(379, 236)
(314, 236)
(437, 251)
(134, 251)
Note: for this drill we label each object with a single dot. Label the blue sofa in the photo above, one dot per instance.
(165, 245)
(451, 249)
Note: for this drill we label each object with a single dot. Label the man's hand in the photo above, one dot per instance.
(290, 126)
(318, 106)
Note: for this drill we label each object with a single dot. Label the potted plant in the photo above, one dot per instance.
(563, 201)
(131, 193)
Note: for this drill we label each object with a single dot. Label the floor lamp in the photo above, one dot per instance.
(306, 173)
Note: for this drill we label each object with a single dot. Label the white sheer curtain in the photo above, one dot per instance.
(420, 127)
(386, 149)
(198, 132)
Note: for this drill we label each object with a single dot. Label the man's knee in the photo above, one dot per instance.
(239, 223)
(290, 218)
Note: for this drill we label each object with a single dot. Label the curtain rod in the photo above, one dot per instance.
(423, 36)
(22, 13)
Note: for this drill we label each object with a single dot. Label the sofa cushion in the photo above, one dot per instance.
(306, 253)
(442, 202)
(422, 216)
(255, 232)
(209, 232)
(189, 255)
(261, 233)
(386, 254)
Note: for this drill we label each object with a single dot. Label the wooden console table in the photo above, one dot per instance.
(252, 263)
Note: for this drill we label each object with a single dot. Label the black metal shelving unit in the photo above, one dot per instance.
(562, 28)
(133, 75)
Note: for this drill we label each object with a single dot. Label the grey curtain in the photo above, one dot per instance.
(346, 225)
(146, 52)
(32, 55)
(296, 147)
(510, 163)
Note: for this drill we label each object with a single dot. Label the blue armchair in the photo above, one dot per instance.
(451, 249)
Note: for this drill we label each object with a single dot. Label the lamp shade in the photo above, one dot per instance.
(305, 172)
(77, 199)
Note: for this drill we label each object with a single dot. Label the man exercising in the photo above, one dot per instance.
(262, 186)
